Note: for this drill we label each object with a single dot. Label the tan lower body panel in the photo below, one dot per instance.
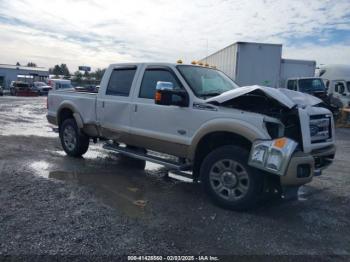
(158, 145)
(154, 144)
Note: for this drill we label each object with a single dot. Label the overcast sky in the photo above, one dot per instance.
(97, 33)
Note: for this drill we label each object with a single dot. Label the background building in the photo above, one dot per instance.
(9, 73)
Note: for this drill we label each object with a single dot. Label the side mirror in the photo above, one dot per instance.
(166, 95)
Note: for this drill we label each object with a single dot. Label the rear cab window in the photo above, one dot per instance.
(121, 81)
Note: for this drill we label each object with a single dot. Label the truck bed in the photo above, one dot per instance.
(84, 102)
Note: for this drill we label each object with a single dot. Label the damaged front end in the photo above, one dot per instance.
(279, 107)
(281, 111)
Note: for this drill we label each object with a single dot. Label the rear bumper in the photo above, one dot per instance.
(303, 167)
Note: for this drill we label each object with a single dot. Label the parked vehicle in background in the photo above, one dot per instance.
(339, 89)
(293, 69)
(42, 88)
(1, 91)
(87, 88)
(337, 80)
(333, 72)
(19, 86)
(316, 87)
(240, 142)
(60, 84)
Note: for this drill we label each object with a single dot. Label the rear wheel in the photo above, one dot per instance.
(74, 142)
(228, 179)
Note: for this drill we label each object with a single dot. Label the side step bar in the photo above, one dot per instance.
(144, 156)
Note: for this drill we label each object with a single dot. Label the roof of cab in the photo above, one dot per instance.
(144, 63)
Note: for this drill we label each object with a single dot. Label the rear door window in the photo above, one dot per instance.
(121, 81)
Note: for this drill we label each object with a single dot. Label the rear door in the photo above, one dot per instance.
(114, 103)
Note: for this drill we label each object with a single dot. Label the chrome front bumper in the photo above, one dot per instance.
(303, 167)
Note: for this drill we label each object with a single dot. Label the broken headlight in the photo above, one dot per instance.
(272, 155)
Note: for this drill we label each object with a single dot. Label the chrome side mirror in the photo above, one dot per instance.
(164, 86)
(166, 95)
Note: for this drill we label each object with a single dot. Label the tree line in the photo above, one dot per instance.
(62, 70)
(29, 64)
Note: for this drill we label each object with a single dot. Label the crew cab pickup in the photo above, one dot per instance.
(239, 142)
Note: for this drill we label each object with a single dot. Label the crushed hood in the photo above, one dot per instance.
(284, 96)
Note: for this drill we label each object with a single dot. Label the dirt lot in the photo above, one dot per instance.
(53, 204)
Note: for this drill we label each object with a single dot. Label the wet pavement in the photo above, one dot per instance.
(157, 213)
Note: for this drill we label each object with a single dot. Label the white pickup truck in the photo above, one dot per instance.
(239, 142)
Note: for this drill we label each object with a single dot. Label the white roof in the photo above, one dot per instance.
(15, 67)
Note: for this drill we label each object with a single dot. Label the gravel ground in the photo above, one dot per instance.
(99, 205)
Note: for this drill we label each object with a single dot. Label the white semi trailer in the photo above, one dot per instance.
(249, 63)
(259, 64)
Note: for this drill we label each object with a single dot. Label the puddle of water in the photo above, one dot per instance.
(115, 184)
(117, 191)
(24, 117)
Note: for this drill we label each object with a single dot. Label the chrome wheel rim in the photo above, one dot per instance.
(229, 179)
(69, 138)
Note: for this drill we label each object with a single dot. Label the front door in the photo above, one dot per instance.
(158, 127)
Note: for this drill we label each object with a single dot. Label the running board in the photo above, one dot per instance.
(144, 156)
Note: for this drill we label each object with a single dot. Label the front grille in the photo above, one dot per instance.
(320, 128)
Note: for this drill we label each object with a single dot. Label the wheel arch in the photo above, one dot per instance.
(68, 110)
(220, 134)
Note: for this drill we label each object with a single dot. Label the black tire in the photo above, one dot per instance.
(228, 179)
(74, 142)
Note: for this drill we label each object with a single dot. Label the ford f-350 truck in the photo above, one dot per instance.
(237, 141)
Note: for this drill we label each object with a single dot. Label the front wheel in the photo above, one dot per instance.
(74, 142)
(230, 182)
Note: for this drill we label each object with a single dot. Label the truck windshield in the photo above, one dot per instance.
(311, 85)
(206, 82)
